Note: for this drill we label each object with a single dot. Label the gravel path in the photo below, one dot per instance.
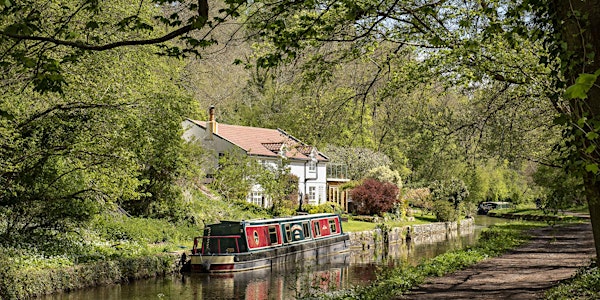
(553, 254)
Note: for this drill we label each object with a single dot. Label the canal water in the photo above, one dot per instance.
(283, 282)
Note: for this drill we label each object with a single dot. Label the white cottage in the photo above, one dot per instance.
(268, 146)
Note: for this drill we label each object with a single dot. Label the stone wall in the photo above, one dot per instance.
(367, 240)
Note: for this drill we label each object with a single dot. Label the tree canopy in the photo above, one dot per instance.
(442, 88)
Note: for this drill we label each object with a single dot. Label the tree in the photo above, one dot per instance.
(359, 160)
(559, 190)
(448, 196)
(70, 155)
(374, 197)
(40, 37)
(385, 174)
(576, 42)
(478, 43)
(420, 198)
(525, 52)
(67, 157)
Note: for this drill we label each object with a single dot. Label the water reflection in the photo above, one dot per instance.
(287, 281)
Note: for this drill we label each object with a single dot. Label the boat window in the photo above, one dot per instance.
(317, 228)
(306, 230)
(332, 226)
(256, 239)
(288, 232)
(273, 235)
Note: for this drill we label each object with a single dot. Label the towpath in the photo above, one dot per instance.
(553, 254)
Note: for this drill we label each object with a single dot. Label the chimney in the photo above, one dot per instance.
(211, 125)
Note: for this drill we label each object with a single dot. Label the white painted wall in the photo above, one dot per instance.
(308, 179)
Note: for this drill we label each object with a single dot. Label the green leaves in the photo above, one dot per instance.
(593, 168)
(582, 85)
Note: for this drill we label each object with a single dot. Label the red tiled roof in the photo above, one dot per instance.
(263, 141)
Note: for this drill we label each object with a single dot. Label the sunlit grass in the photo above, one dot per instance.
(357, 226)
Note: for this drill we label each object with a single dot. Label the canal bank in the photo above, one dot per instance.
(19, 284)
(108, 273)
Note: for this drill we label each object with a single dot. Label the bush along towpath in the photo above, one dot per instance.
(553, 254)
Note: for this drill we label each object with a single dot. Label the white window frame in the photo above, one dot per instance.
(312, 195)
(256, 198)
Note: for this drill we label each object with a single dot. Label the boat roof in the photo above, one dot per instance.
(280, 220)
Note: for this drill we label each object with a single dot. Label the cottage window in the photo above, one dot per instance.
(312, 195)
(256, 198)
(312, 166)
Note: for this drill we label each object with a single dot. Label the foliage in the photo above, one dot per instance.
(420, 198)
(327, 207)
(42, 39)
(558, 190)
(358, 160)
(493, 180)
(67, 157)
(447, 198)
(235, 176)
(280, 186)
(385, 174)
(169, 163)
(374, 197)
(16, 283)
(238, 174)
(584, 285)
(444, 211)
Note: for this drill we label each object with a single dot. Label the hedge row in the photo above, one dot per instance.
(20, 284)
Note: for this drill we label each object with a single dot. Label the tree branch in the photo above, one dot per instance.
(202, 14)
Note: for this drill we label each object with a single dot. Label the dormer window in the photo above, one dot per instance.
(283, 151)
(312, 164)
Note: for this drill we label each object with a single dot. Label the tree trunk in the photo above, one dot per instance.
(578, 26)
(593, 196)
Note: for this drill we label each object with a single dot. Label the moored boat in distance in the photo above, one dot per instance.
(232, 246)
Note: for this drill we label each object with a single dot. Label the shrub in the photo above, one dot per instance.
(327, 207)
(444, 211)
(374, 197)
(420, 198)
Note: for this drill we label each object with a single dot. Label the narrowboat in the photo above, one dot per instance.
(485, 207)
(231, 246)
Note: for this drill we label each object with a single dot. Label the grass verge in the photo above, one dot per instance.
(584, 285)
